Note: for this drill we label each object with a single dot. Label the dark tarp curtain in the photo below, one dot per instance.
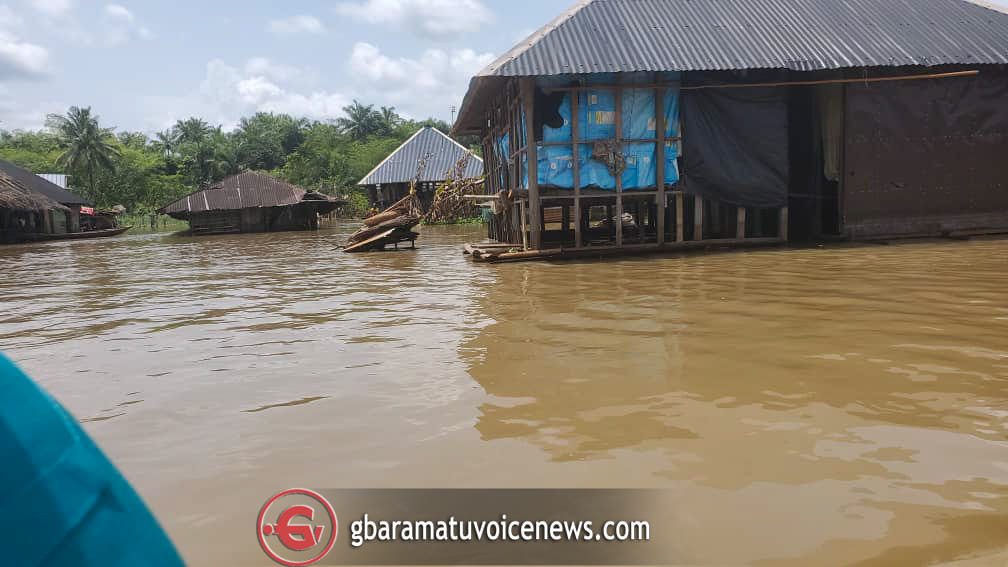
(735, 145)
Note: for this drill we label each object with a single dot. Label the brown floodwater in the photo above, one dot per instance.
(805, 406)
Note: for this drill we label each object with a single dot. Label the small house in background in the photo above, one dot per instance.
(67, 221)
(429, 152)
(251, 202)
(26, 215)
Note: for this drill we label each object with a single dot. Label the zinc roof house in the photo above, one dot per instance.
(657, 124)
(429, 156)
(251, 202)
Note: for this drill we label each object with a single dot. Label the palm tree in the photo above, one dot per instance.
(389, 119)
(193, 130)
(86, 145)
(165, 143)
(360, 122)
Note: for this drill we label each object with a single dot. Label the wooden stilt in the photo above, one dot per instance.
(679, 229)
(783, 233)
(740, 224)
(698, 219)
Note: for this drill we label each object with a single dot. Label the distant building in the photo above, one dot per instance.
(389, 181)
(251, 202)
(67, 219)
(25, 215)
(60, 179)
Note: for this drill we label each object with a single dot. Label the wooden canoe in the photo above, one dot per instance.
(78, 235)
(380, 241)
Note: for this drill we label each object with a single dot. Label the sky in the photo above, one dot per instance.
(143, 64)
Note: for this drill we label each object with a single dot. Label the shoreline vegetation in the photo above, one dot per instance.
(143, 172)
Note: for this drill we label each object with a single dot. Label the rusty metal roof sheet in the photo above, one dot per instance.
(242, 191)
(442, 154)
(618, 36)
(40, 185)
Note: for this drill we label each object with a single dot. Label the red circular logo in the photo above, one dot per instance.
(297, 527)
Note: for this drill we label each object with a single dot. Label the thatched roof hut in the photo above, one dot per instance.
(16, 197)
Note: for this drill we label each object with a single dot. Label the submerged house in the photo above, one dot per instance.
(68, 217)
(251, 202)
(640, 124)
(26, 215)
(428, 157)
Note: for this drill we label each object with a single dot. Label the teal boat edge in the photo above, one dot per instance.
(62, 502)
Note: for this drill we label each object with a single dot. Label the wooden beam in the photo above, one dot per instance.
(740, 224)
(524, 226)
(660, 161)
(619, 178)
(698, 213)
(679, 232)
(527, 87)
(576, 156)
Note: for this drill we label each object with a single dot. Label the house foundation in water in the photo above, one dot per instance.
(629, 125)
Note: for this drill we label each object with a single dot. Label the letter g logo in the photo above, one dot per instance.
(303, 536)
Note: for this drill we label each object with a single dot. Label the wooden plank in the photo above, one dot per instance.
(575, 156)
(370, 242)
(524, 227)
(527, 86)
(698, 217)
(740, 223)
(660, 161)
(619, 178)
(680, 229)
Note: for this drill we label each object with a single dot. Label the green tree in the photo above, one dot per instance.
(87, 147)
(360, 121)
(165, 143)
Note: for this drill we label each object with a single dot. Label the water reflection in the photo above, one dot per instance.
(811, 406)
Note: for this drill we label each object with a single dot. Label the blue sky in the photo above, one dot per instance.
(143, 64)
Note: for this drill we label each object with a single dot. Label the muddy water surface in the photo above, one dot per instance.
(806, 407)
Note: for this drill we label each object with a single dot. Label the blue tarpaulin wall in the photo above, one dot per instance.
(62, 502)
(597, 121)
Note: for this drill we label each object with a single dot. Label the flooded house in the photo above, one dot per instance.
(251, 202)
(650, 124)
(428, 158)
(25, 215)
(64, 221)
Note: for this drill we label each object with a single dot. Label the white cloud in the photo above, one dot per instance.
(421, 87)
(19, 58)
(53, 8)
(432, 18)
(296, 25)
(229, 92)
(120, 26)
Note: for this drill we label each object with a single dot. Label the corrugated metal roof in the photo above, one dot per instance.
(37, 184)
(611, 36)
(616, 36)
(55, 178)
(442, 155)
(242, 191)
